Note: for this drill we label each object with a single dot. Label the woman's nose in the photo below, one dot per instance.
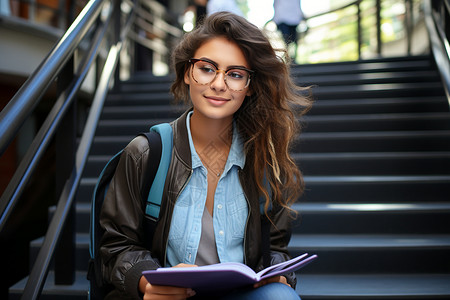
(219, 82)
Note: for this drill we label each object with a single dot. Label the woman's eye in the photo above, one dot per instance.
(207, 69)
(235, 74)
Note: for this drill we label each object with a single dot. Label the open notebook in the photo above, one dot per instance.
(222, 276)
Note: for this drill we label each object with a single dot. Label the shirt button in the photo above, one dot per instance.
(221, 232)
(219, 206)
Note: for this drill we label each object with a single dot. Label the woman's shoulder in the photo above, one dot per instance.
(137, 147)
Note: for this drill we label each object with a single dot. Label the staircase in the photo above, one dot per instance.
(375, 152)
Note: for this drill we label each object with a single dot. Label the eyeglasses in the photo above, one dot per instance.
(204, 72)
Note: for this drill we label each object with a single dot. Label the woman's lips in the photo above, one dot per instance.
(216, 101)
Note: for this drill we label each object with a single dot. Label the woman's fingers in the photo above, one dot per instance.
(154, 292)
(184, 266)
(161, 292)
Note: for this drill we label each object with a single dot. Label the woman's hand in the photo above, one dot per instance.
(281, 279)
(157, 292)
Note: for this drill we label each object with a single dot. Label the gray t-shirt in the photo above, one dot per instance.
(207, 250)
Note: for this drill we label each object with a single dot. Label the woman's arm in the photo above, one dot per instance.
(122, 249)
(280, 235)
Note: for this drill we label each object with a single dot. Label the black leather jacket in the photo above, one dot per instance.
(123, 249)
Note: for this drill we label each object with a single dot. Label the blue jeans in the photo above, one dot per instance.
(271, 291)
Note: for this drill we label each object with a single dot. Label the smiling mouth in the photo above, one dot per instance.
(217, 99)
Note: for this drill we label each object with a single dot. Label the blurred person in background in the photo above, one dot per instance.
(287, 15)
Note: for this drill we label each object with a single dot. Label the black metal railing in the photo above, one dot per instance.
(106, 27)
(437, 14)
(355, 31)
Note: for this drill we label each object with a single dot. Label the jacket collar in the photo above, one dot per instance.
(181, 144)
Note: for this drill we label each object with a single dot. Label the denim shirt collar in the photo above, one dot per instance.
(236, 155)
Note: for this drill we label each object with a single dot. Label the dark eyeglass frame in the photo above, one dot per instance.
(192, 61)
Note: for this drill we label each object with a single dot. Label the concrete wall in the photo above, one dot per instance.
(23, 46)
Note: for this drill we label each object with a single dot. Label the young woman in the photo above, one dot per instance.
(230, 166)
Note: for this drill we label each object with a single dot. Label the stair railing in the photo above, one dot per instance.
(437, 18)
(104, 25)
(362, 20)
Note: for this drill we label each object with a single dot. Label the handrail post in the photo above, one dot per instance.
(117, 28)
(408, 24)
(378, 16)
(65, 162)
(359, 28)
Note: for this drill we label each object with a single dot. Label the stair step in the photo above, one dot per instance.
(51, 291)
(367, 66)
(354, 242)
(379, 105)
(374, 253)
(82, 216)
(376, 189)
(377, 122)
(81, 252)
(379, 90)
(138, 99)
(142, 112)
(162, 86)
(326, 208)
(128, 127)
(372, 218)
(373, 141)
(373, 286)
(368, 78)
(145, 77)
(85, 190)
(374, 163)
(110, 145)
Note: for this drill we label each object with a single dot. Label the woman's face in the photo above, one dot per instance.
(216, 100)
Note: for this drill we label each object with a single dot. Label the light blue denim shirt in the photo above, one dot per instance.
(229, 215)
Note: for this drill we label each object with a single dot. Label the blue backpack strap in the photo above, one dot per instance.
(156, 191)
(154, 142)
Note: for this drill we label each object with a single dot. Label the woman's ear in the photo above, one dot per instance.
(187, 78)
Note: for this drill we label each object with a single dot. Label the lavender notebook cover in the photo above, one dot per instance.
(221, 277)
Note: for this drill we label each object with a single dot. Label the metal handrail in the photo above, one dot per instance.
(20, 107)
(96, 21)
(48, 129)
(26, 99)
(439, 38)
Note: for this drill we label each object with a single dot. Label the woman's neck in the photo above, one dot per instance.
(206, 132)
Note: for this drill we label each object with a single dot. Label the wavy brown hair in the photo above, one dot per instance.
(267, 120)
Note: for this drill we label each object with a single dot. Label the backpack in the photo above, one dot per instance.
(160, 141)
